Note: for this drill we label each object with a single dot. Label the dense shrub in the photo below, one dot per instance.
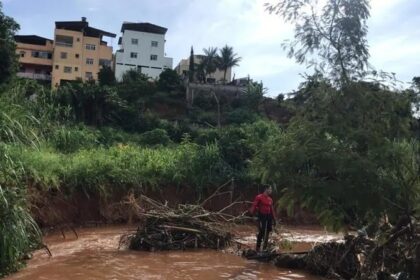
(68, 139)
(156, 136)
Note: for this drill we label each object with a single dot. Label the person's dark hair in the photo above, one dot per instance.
(266, 187)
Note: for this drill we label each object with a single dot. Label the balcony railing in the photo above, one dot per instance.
(34, 76)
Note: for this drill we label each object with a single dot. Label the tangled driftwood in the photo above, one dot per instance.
(394, 255)
(185, 226)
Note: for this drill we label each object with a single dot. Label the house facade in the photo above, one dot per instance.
(184, 65)
(142, 47)
(35, 57)
(79, 52)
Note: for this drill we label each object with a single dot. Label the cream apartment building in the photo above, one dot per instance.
(35, 57)
(183, 67)
(79, 52)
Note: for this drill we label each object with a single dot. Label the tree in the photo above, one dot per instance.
(106, 76)
(191, 67)
(8, 58)
(227, 59)
(331, 158)
(335, 32)
(200, 70)
(210, 60)
(169, 80)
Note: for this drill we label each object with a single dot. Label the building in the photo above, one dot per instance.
(142, 47)
(35, 57)
(79, 51)
(184, 65)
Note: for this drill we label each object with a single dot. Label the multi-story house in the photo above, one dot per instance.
(142, 47)
(184, 65)
(35, 57)
(79, 51)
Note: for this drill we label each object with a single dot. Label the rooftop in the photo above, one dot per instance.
(143, 27)
(32, 39)
(83, 26)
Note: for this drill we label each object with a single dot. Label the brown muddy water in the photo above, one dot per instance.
(95, 255)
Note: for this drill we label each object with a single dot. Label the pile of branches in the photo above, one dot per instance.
(394, 254)
(185, 226)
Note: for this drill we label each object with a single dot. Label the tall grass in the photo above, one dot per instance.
(123, 166)
(18, 231)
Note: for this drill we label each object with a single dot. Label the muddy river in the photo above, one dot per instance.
(95, 255)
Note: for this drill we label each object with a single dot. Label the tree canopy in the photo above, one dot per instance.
(8, 58)
(330, 35)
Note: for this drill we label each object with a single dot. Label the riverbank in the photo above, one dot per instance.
(95, 255)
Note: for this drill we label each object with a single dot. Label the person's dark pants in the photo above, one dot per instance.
(265, 226)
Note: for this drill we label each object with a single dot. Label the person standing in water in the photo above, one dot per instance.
(263, 205)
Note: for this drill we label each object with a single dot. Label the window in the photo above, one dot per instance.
(88, 76)
(78, 39)
(56, 66)
(153, 57)
(76, 69)
(134, 41)
(105, 62)
(90, 47)
(64, 41)
(154, 43)
(41, 54)
(63, 55)
(67, 69)
(133, 55)
(76, 55)
(89, 61)
(22, 53)
(37, 71)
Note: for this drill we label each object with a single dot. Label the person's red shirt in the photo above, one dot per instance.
(264, 204)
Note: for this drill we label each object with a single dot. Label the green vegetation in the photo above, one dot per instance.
(334, 146)
(8, 58)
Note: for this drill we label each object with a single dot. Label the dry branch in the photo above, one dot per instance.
(184, 226)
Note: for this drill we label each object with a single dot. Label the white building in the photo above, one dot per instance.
(142, 47)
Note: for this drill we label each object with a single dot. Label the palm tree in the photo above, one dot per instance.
(227, 59)
(210, 60)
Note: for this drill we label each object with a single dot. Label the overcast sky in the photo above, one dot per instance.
(394, 31)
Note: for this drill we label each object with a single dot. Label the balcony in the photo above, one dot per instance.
(64, 44)
(43, 77)
(64, 41)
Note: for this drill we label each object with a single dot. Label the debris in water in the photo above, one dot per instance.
(186, 226)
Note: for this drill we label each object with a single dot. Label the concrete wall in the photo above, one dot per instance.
(144, 50)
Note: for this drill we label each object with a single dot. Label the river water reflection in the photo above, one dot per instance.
(95, 256)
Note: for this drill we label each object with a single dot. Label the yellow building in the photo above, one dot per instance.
(35, 57)
(79, 52)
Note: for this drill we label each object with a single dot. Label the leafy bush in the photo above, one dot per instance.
(241, 115)
(156, 136)
(68, 139)
(169, 80)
